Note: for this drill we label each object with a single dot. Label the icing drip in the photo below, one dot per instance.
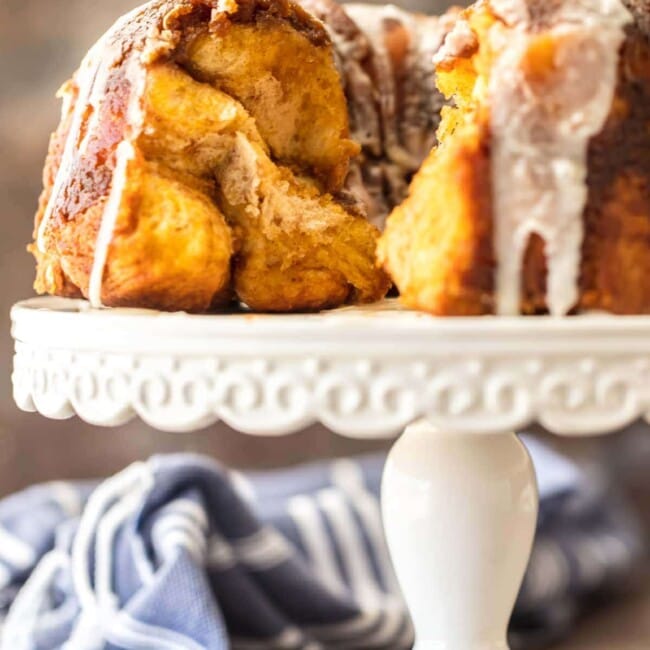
(123, 155)
(83, 81)
(89, 82)
(89, 85)
(541, 127)
(459, 40)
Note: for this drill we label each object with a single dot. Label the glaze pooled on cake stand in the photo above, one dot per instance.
(459, 497)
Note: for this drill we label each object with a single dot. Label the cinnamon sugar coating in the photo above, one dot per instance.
(201, 148)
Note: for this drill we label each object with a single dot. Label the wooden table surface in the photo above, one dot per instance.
(622, 626)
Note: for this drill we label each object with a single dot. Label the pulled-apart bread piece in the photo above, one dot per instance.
(201, 154)
(537, 197)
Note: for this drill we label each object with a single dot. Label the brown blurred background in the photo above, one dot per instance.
(41, 43)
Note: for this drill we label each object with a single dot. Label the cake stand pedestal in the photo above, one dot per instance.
(459, 492)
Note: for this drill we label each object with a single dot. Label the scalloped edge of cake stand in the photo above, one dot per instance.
(361, 372)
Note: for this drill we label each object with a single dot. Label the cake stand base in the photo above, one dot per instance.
(460, 514)
(460, 499)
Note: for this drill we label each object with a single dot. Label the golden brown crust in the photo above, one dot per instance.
(615, 266)
(129, 179)
(440, 265)
(155, 31)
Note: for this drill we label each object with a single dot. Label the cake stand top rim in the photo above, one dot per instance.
(383, 330)
(387, 316)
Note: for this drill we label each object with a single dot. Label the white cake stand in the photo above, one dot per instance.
(459, 507)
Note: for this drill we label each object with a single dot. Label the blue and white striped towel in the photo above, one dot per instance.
(179, 553)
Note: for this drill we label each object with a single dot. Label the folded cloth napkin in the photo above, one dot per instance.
(180, 553)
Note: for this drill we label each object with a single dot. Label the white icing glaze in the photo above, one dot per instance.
(457, 41)
(433, 31)
(83, 80)
(90, 80)
(512, 11)
(540, 138)
(123, 155)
